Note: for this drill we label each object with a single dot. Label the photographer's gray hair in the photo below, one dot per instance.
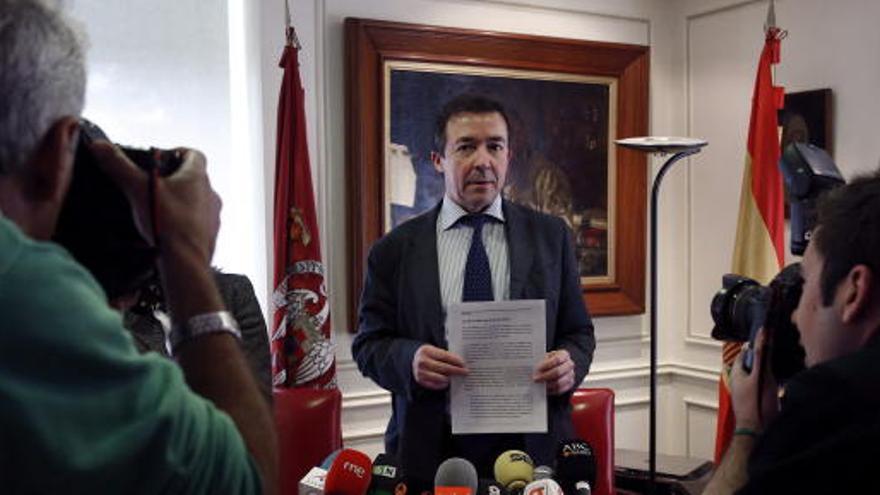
(42, 76)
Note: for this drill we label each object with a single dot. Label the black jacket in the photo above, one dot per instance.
(239, 298)
(826, 438)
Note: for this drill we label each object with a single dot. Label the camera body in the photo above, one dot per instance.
(96, 224)
(743, 305)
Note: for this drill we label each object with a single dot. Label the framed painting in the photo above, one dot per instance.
(806, 118)
(567, 101)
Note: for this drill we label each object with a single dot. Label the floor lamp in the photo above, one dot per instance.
(680, 148)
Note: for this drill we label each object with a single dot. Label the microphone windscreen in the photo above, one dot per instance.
(313, 482)
(575, 462)
(583, 488)
(349, 474)
(490, 487)
(543, 472)
(455, 476)
(543, 487)
(328, 461)
(387, 474)
(514, 469)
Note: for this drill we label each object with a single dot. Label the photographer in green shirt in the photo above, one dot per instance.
(82, 411)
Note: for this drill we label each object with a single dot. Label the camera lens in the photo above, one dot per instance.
(732, 307)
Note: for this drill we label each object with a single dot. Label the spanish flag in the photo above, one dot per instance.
(759, 249)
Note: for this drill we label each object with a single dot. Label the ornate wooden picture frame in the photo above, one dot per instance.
(605, 88)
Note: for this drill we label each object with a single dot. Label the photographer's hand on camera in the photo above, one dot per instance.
(754, 395)
(187, 208)
(188, 216)
(755, 404)
(187, 213)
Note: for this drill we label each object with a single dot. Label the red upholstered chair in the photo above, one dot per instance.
(309, 429)
(593, 418)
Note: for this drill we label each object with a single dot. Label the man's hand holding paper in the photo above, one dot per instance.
(432, 367)
(557, 371)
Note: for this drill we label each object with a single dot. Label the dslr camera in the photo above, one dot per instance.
(96, 224)
(743, 305)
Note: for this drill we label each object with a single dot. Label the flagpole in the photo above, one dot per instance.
(769, 25)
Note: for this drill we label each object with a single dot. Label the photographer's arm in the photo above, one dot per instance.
(213, 365)
(731, 474)
(188, 211)
(755, 404)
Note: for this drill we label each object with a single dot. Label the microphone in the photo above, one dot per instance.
(544, 486)
(455, 476)
(543, 472)
(313, 482)
(349, 474)
(583, 488)
(576, 467)
(490, 487)
(387, 477)
(514, 469)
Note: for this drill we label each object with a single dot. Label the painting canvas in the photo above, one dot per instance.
(562, 127)
(806, 118)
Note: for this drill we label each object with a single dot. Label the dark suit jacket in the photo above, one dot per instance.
(239, 297)
(401, 309)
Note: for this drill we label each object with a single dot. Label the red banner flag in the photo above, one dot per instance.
(759, 249)
(302, 346)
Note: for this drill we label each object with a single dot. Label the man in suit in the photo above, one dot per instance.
(473, 246)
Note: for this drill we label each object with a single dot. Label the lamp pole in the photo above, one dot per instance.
(680, 147)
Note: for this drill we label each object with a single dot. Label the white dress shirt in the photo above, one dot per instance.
(454, 242)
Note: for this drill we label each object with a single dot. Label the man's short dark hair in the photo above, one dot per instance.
(466, 103)
(848, 231)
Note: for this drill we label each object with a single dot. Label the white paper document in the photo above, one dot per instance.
(502, 344)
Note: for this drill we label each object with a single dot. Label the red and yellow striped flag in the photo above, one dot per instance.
(759, 251)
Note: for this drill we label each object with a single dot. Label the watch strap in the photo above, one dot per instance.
(204, 324)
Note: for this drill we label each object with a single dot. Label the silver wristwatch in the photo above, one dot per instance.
(203, 324)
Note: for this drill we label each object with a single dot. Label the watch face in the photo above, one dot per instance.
(203, 324)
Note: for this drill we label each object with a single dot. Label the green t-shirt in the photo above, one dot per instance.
(81, 411)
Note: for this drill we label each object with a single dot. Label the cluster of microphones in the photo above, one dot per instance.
(349, 472)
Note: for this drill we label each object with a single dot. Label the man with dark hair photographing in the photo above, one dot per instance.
(825, 437)
(82, 411)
